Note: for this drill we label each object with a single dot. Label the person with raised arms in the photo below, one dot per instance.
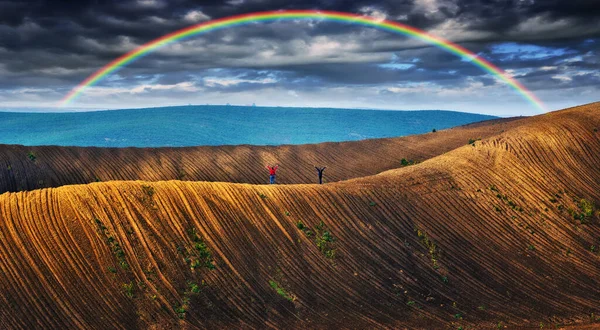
(272, 173)
(320, 172)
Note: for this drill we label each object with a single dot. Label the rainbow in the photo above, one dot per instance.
(269, 16)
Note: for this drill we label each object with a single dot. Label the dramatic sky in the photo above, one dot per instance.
(551, 46)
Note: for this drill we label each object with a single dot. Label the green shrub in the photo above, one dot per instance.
(31, 156)
(193, 287)
(429, 244)
(128, 288)
(148, 190)
(281, 291)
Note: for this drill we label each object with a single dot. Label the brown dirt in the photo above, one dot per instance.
(472, 237)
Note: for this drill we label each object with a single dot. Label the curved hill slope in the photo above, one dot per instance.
(28, 168)
(505, 232)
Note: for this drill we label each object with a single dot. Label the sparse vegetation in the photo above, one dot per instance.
(31, 156)
(429, 244)
(472, 141)
(128, 288)
(148, 190)
(323, 238)
(406, 162)
(181, 310)
(281, 291)
(201, 255)
(512, 204)
(194, 288)
(531, 247)
(115, 247)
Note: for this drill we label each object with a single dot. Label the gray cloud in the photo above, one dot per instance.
(47, 47)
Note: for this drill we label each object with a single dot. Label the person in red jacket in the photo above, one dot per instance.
(272, 171)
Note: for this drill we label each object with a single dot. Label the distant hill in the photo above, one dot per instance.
(499, 233)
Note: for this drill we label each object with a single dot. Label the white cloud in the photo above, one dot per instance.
(373, 12)
(228, 82)
(150, 3)
(195, 16)
(187, 86)
(562, 78)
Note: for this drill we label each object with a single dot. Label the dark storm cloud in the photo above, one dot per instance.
(56, 44)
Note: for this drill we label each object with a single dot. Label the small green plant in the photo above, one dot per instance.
(323, 238)
(148, 190)
(500, 325)
(128, 288)
(445, 279)
(263, 196)
(324, 242)
(180, 311)
(429, 244)
(201, 255)
(287, 213)
(411, 303)
(433, 130)
(193, 287)
(112, 269)
(472, 141)
(493, 188)
(481, 308)
(31, 156)
(458, 316)
(281, 291)
(531, 247)
(406, 162)
(595, 129)
(372, 203)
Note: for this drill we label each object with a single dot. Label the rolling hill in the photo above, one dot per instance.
(27, 168)
(500, 233)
